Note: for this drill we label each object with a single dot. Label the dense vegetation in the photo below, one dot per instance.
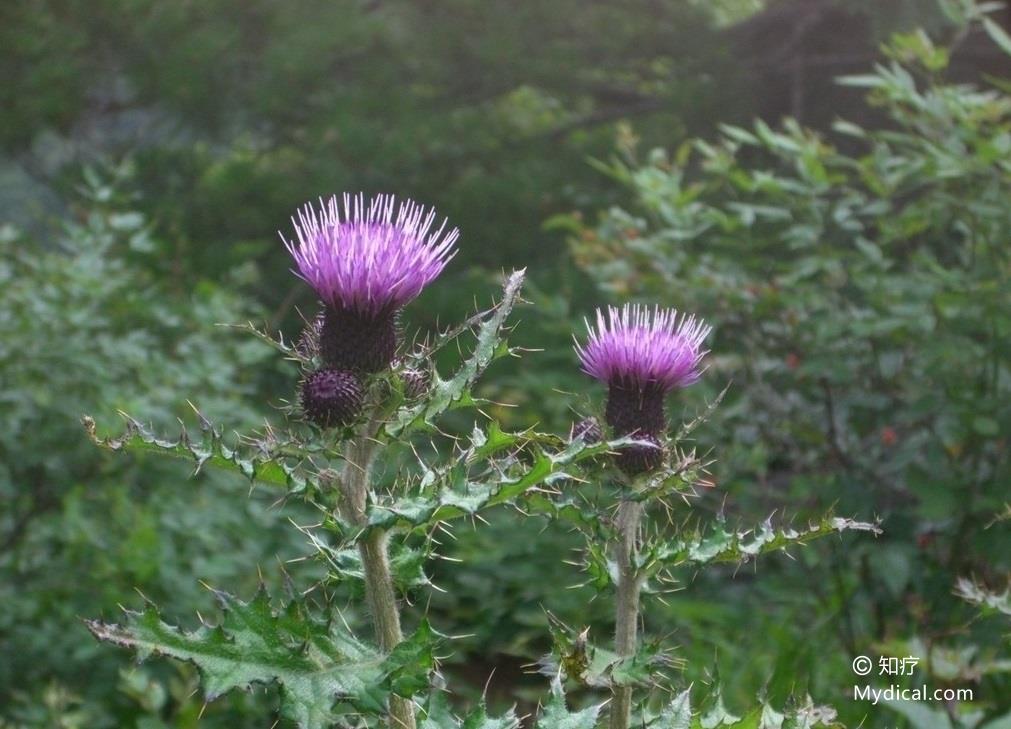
(858, 280)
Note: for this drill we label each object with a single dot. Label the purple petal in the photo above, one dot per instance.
(369, 256)
(636, 345)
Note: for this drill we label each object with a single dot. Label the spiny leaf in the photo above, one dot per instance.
(556, 714)
(407, 566)
(455, 392)
(453, 492)
(436, 714)
(575, 658)
(979, 595)
(207, 450)
(722, 545)
(678, 713)
(802, 714)
(313, 663)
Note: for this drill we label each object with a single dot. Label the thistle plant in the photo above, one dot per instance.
(643, 355)
(360, 445)
(365, 260)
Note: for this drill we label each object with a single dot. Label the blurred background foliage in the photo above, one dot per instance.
(852, 258)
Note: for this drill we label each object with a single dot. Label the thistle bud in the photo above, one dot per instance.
(416, 382)
(332, 398)
(636, 459)
(587, 429)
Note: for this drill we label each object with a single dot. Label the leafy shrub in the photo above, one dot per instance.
(87, 327)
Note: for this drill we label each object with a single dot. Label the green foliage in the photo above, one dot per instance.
(315, 662)
(88, 328)
(247, 108)
(718, 544)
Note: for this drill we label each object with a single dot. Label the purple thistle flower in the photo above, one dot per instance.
(636, 347)
(642, 354)
(366, 260)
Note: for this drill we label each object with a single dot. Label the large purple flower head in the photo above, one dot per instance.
(366, 259)
(642, 354)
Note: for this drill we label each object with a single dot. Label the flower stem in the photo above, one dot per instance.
(627, 607)
(374, 551)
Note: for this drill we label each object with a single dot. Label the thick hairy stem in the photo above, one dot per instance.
(374, 550)
(627, 609)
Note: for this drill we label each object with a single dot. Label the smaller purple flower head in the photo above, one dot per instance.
(366, 259)
(642, 354)
(640, 348)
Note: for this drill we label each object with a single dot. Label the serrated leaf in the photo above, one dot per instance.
(452, 492)
(717, 715)
(207, 450)
(678, 713)
(556, 715)
(436, 714)
(479, 719)
(802, 714)
(311, 662)
(578, 660)
(722, 545)
(455, 392)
